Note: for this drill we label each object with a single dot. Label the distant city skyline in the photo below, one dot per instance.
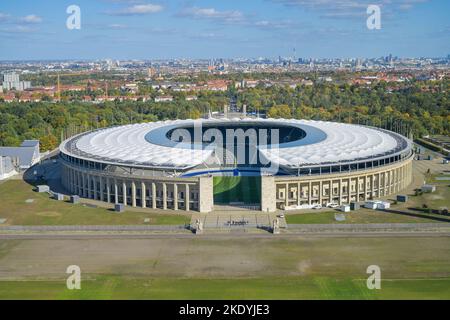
(146, 30)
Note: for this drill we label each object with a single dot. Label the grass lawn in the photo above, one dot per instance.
(237, 189)
(46, 211)
(294, 268)
(360, 216)
(114, 287)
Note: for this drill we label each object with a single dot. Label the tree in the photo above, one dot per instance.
(48, 142)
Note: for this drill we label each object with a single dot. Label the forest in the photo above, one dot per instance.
(419, 109)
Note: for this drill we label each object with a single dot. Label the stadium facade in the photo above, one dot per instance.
(172, 165)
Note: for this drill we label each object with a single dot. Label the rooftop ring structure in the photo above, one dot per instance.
(188, 151)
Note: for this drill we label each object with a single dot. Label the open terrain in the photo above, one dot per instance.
(292, 268)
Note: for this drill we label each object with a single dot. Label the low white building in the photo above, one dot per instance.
(6, 168)
(164, 99)
(428, 188)
(377, 205)
(26, 155)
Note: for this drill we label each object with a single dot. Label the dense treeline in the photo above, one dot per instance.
(419, 108)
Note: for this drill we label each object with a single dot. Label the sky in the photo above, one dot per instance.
(154, 29)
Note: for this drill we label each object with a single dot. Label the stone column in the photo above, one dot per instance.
(365, 188)
(340, 192)
(74, 181)
(286, 195)
(164, 196)
(309, 192)
(186, 198)
(298, 193)
(357, 188)
(379, 185)
(98, 187)
(78, 187)
(320, 191)
(133, 194)
(391, 176)
(116, 192)
(143, 195)
(101, 189)
(268, 194)
(108, 190)
(154, 195)
(206, 194)
(83, 178)
(175, 196)
(92, 186)
(331, 191)
(386, 183)
(372, 186)
(71, 180)
(349, 192)
(124, 193)
(89, 186)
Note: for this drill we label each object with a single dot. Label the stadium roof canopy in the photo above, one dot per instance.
(147, 144)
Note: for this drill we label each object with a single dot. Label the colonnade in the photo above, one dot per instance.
(175, 194)
(342, 188)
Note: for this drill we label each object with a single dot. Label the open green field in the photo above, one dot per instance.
(114, 287)
(435, 200)
(227, 268)
(45, 211)
(237, 189)
(365, 216)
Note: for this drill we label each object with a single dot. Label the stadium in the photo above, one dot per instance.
(263, 164)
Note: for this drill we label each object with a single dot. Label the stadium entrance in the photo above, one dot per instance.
(238, 191)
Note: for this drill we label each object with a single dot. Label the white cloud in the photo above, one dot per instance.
(18, 29)
(213, 14)
(32, 18)
(117, 26)
(278, 24)
(350, 8)
(139, 9)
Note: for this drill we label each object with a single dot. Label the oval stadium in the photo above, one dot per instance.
(263, 164)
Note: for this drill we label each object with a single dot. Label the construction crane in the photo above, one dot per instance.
(58, 81)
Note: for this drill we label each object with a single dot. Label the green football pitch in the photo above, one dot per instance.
(237, 189)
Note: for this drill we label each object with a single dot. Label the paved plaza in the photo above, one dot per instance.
(238, 220)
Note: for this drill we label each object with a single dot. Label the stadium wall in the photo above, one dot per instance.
(342, 188)
(196, 193)
(146, 192)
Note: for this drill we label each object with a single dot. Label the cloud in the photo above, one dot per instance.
(139, 9)
(342, 9)
(212, 14)
(18, 29)
(32, 18)
(278, 24)
(117, 26)
(4, 17)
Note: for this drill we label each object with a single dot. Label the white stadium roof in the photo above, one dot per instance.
(325, 142)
